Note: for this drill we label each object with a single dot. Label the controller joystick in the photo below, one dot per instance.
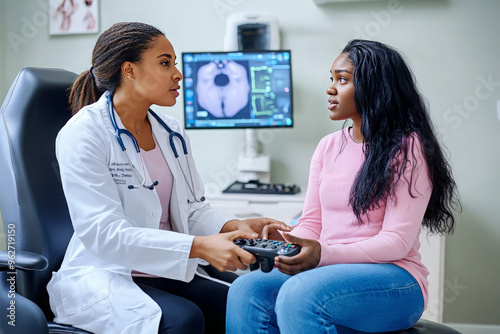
(266, 250)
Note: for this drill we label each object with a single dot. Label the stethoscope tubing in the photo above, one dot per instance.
(171, 135)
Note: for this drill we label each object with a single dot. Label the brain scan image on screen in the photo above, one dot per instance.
(222, 88)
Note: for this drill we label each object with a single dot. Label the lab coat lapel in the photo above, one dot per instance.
(178, 201)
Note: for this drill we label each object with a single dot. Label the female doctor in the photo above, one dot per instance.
(136, 201)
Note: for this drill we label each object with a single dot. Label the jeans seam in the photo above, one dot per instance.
(269, 312)
(376, 290)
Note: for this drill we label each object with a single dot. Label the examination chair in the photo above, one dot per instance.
(33, 208)
(32, 205)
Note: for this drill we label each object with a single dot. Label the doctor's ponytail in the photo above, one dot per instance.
(83, 92)
(125, 41)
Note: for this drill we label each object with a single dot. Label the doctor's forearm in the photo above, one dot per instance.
(199, 247)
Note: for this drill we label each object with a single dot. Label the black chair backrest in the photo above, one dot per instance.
(31, 196)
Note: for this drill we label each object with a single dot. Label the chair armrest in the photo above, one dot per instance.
(11, 260)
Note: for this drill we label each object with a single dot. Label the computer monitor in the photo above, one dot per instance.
(239, 89)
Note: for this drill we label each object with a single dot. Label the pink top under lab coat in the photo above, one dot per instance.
(159, 171)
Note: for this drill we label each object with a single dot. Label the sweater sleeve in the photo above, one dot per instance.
(401, 224)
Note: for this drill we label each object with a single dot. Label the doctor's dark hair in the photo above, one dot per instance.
(393, 113)
(125, 41)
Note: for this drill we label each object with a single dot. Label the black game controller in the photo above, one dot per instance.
(266, 250)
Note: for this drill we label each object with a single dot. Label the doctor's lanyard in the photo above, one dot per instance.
(172, 134)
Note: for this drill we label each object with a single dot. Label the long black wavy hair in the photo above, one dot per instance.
(392, 110)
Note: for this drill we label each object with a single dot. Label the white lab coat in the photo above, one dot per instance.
(117, 229)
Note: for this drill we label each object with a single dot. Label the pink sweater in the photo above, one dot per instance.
(389, 234)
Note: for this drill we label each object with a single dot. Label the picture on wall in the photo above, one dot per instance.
(73, 16)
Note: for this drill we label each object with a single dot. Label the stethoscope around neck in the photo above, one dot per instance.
(171, 136)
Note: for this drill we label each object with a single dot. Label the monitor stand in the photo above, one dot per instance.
(251, 164)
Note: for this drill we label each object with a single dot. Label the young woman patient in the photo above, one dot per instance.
(372, 186)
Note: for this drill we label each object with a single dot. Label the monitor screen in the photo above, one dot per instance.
(242, 89)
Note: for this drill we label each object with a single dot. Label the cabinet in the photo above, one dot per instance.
(287, 208)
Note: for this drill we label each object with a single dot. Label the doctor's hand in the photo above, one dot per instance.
(266, 228)
(308, 258)
(221, 252)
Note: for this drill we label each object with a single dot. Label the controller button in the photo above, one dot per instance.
(240, 241)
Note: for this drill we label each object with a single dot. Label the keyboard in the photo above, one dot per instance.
(255, 187)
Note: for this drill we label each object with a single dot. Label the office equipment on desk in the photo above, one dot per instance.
(255, 187)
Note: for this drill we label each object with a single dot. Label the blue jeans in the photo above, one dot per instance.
(342, 298)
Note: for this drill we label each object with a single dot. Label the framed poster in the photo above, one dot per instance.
(73, 17)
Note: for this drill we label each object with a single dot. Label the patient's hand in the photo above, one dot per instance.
(308, 258)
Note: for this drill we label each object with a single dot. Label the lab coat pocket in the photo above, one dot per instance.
(81, 290)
